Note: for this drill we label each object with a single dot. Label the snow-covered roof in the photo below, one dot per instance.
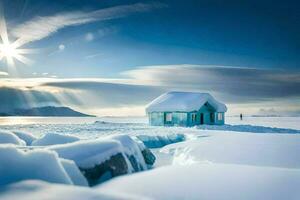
(183, 101)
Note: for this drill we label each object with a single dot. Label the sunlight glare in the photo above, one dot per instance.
(11, 51)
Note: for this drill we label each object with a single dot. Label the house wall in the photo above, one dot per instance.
(219, 122)
(156, 118)
(185, 119)
(179, 118)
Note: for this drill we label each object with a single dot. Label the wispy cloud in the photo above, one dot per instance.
(244, 89)
(93, 55)
(41, 27)
(233, 83)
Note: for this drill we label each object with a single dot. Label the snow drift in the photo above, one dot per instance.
(27, 137)
(7, 137)
(54, 138)
(277, 150)
(102, 159)
(37, 190)
(18, 165)
(210, 181)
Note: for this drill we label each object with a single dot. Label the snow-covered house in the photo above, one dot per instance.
(185, 109)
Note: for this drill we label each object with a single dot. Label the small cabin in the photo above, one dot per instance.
(185, 109)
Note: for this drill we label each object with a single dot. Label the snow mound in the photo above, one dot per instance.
(247, 128)
(133, 152)
(27, 137)
(276, 150)
(210, 181)
(73, 172)
(7, 137)
(17, 165)
(102, 159)
(36, 190)
(183, 101)
(88, 153)
(158, 141)
(54, 138)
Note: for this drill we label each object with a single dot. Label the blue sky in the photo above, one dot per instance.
(246, 53)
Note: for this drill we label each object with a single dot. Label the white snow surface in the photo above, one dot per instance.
(54, 138)
(210, 181)
(27, 137)
(275, 150)
(183, 101)
(232, 162)
(7, 137)
(131, 148)
(17, 165)
(88, 153)
(37, 190)
(74, 173)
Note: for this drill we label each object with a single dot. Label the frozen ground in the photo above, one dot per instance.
(257, 158)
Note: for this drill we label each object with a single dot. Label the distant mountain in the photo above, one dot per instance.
(46, 111)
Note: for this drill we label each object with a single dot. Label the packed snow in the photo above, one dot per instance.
(246, 159)
(183, 101)
(248, 128)
(210, 181)
(37, 190)
(87, 154)
(54, 138)
(7, 137)
(133, 151)
(27, 137)
(17, 165)
(74, 173)
(274, 150)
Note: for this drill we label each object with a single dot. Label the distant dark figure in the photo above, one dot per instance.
(241, 116)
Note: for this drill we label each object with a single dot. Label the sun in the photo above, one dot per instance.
(12, 51)
(8, 50)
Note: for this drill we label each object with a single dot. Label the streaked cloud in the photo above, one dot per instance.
(41, 27)
(247, 90)
(13, 98)
(93, 55)
(233, 83)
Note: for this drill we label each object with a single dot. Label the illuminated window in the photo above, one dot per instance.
(168, 117)
(194, 117)
(181, 116)
(220, 116)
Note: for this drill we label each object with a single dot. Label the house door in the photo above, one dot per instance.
(212, 117)
(201, 118)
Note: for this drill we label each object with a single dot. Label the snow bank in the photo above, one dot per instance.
(88, 153)
(210, 181)
(98, 160)
(54, 138)
(36, 190)
(133, 152)
(278, 150)
(27, 137)
(102, 159)
(183, 101)
(247, 128)
(158, 141)
(17, 165)
(73, 172)
(7, 137)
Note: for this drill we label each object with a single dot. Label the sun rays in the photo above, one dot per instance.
(11, 51)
